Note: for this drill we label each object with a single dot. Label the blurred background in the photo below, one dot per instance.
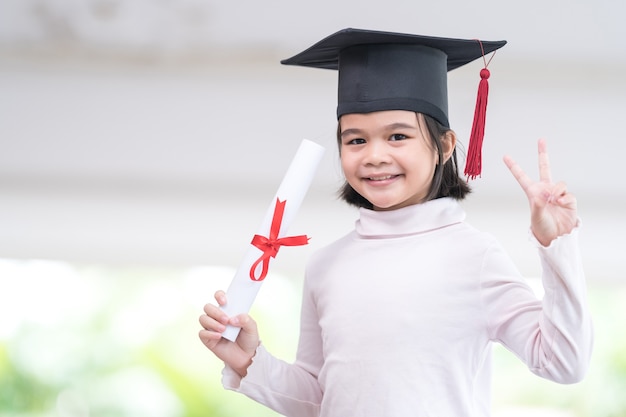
(141, 143)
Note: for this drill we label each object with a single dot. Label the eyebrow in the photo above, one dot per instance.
(392, 126)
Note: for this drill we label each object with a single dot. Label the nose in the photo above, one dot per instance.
(376, 153)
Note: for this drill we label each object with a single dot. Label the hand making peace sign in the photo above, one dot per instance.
(552, 209)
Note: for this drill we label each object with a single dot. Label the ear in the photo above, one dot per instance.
(448, 144)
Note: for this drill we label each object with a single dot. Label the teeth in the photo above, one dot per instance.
(381, 178)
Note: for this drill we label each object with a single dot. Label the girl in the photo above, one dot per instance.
(398, 317)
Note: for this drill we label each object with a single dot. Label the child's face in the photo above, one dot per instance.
(387, 158)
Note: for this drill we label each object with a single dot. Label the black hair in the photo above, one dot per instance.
(446, 181)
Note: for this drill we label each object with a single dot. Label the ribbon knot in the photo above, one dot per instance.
(270, 245)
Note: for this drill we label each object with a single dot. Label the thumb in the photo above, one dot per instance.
(248, 338)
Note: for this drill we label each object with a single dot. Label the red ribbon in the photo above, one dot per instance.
(270, 245)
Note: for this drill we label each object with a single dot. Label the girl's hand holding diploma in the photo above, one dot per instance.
(237, 355)
(552, 208)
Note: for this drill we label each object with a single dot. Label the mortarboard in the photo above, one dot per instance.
(396, 71)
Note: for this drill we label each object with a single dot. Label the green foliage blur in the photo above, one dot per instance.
(82, 341)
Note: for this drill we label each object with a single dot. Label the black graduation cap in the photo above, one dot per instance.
(393, 71)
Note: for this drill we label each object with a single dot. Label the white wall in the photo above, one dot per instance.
(115, 150)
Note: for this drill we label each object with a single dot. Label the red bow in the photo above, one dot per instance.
(270, 246)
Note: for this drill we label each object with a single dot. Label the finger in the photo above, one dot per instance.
(551, 194)
(559, 189)
(240, 320)
(249, 336)
(209, 323)
(248, 327)
(524, 180)
(568, 200)
(249, 330)
(216, 313)
(562, 197)
(220, 297)
(545, 175)
(209, 339)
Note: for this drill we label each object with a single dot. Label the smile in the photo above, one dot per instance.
(381, 178)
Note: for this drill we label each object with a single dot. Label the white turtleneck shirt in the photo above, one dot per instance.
(399, 316)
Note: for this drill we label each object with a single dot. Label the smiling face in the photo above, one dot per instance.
(387, 157)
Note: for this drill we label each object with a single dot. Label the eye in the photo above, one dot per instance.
(356, 141)
(397, 136)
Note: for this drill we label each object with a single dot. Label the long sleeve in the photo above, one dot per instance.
(289, 389)
(554, 336)
(398, 318)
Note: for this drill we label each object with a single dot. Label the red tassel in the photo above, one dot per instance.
(473, 164)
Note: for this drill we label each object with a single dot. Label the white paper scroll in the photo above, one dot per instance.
(243, 289)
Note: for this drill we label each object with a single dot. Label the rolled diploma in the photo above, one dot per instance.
(243, 290)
